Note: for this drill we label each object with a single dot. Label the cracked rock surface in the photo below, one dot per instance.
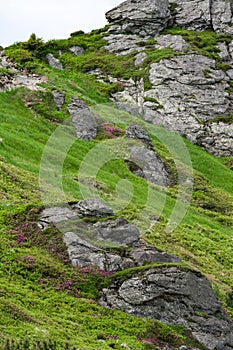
(176, 296)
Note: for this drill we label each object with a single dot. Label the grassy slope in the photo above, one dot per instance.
(30, 270)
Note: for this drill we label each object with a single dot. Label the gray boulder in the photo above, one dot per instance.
(192, 15)
(142, 17)
(139, 59)
(123, 44)
(83, 119)
(147, 164)
(77, 50)
(174, 295)
(58, 98)
(53, 61)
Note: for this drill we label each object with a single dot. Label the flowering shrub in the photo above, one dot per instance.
(110, 131)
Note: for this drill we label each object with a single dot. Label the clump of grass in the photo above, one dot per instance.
(203, 43)
(6, 72)
(228, 119)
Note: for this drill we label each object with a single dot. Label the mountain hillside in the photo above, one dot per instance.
(116, 181)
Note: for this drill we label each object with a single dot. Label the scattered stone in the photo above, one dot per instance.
(174, 295)
(4, 61)
(59, 98)
(77, 50)
(83, 119)
(139, 59)
(175, 42)
(53, 61)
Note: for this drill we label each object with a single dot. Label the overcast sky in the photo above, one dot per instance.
(50, 19)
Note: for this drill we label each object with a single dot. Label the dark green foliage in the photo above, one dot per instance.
(228, 119)
(12, 344)
(173, 8)
(6, 72)
(203, 43)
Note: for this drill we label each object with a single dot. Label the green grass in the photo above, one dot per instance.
(203, 43)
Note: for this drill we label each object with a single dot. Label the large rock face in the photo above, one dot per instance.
(204, 14)
(191, 92)
(147, 17)
(194, 14)
(143, 17)
(176, 296)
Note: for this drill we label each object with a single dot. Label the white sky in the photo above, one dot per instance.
(50, 19)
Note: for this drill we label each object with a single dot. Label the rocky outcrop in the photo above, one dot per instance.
(191, 92)
(142, 17)
(13, 78)
(146, 164)
(193, 15)
(167, 291)
(77, 50)
(203, 14)
(58, 98)
(188, 93)
(112, 244)
(173, 295)
(151, 17)
(83, 119)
